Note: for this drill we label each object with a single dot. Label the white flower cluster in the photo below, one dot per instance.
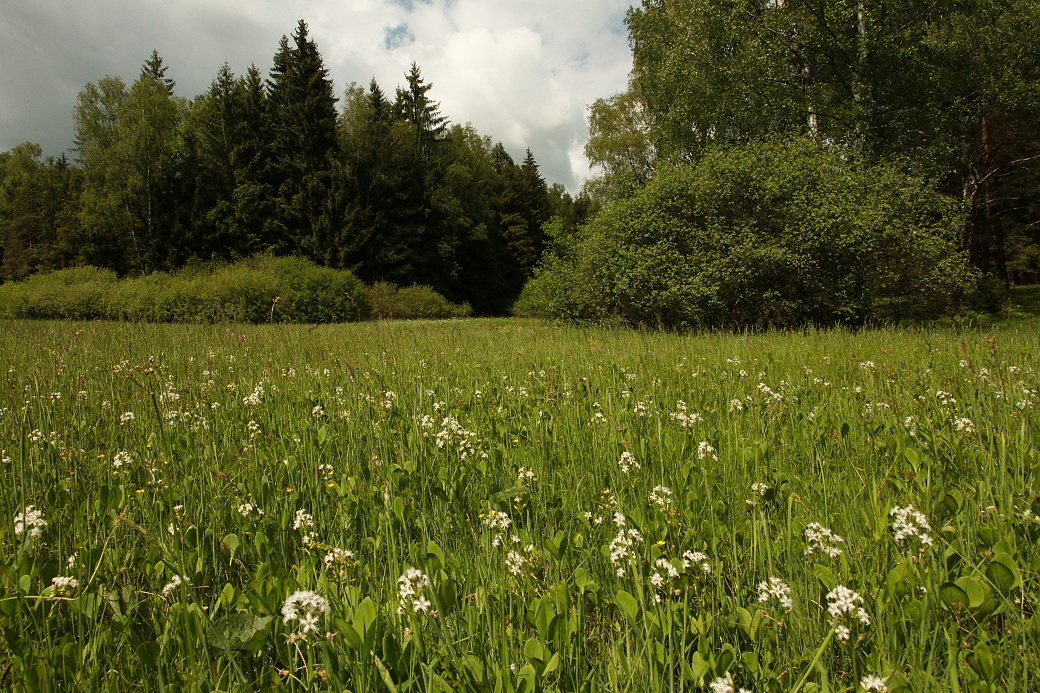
(30, 521)
(126, 417)
(337, 557)
(628, 462)
(910, 525)
(705, 451)
(169, 393)
(690, 558)
(724, 684)
(663, 572)
(822, 540)
(963, 425)
(662, 497)
(759, 490)
(452, 434)
(621, 545)
(306, 608)
(256, 398)
(64, 585)
(873, 683)
(911, 426)
(736, 405)
(304, 521)
(121, 459)
(409, 592)
(499, 522)
(870, 407)
(248, 509)
(515, 560)
(683, 418)
(844, 602)
(775, 588)
(174, 584)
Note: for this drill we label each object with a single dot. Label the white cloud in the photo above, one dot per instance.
(521, 72)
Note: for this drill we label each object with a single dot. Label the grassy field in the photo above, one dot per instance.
(507, 506)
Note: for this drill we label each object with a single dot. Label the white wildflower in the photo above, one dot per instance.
(843, 603)
(30, 521)
(909, 525)
(662, 497)
(306, 608)
(409, 592)
(822, 540)
(173, 584)
(706, 451)
(775, 588)
(628, 462)
(874, 683)
(63, 585)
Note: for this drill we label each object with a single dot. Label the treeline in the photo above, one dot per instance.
(946, 89)
(382, 186)
(785, 162)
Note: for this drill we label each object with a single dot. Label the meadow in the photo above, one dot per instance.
(509, 506)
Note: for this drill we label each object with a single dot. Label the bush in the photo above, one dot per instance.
(258, 290)
(82, 293)
(389, 302)
(776, 233)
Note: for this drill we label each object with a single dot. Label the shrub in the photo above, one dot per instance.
(390, 302)
(776, 233)
(81, 293)
(258, 290)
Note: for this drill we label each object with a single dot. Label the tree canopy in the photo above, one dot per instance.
(389, 189)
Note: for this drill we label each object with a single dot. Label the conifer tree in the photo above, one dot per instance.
(302, 123)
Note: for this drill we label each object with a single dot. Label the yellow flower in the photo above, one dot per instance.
(660, 543)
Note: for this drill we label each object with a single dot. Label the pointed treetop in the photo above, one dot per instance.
(153, 67)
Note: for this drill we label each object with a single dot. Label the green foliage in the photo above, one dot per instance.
(259, 290)
(390, 302)
(777, 233)
(943, 85)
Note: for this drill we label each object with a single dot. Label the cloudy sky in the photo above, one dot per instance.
(522, 71)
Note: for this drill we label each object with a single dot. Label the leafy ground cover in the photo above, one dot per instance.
(502, 505)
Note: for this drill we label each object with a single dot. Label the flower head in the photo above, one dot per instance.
(305, 608)
(30, 521)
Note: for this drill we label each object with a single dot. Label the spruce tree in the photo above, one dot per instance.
(302, 122)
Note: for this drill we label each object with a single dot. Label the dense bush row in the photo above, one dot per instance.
(391, 302)
(263, 289)
(777, 233)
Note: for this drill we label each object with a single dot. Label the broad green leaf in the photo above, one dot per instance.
(629, 606)
(1004, 573)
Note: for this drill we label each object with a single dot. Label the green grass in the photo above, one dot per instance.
(400, 444)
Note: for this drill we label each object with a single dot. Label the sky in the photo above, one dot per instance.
(523, 72)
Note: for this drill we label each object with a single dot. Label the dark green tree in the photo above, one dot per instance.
(301, 119)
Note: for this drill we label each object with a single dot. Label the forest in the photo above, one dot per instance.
(772, 162)
(384, 186)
